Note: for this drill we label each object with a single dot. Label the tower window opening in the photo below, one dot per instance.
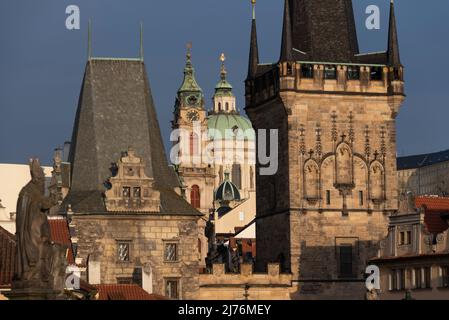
(361, 198)
(227, 106)
(376, 73)
(307, 71)
(330, 73)
(237, 175)
(346, 260)
(289, 69)
(219, 106)
(328, 197)
(353, 73)
(396, 74)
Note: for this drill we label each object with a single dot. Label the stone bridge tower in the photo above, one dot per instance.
(335, 109)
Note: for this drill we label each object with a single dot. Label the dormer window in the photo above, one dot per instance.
(126, 192)
(136, 192)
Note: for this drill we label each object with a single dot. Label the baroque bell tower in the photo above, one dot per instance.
(190, 117)
(335, 111)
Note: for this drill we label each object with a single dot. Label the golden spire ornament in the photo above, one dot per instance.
(253, 3)
(223, 69)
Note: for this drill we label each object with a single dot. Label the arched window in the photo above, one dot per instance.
(251, 178)
(195, 198)
(227, 106)
(193, 144)
(237, 175)
(220, 174)
(219, 106)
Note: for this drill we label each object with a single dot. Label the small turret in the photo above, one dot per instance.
(254, 48)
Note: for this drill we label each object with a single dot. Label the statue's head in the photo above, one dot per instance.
(37, 173)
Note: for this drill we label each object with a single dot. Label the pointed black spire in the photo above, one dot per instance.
(254, 48)
(286, 46)
(394, 58)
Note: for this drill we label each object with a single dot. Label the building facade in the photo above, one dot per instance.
(414, 258)
(334, 109)
(426, 174)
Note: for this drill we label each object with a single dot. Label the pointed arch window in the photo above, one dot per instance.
(195, 198)
(237, 175)
(220, 174)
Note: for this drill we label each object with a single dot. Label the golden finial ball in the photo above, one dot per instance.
(222, 57)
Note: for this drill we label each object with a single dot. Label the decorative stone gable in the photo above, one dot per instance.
(129, 189)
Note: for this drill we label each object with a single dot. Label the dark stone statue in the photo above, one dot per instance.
(40, 263)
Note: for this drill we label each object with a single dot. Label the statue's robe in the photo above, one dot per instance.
(32, 234)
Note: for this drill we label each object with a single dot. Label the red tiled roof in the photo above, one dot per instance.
(7, 257)
(433, 203)
(125, 292)
(434, 208)
(60, 233)
(59, 230)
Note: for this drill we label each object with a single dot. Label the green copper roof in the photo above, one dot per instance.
(226, 123)
(189, 83)
(227, 191)
(223, 87)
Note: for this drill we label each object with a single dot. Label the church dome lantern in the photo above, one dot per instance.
(225, 118)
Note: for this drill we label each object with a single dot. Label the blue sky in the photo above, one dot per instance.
(42, 63)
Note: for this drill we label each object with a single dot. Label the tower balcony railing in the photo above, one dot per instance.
(341, 77)
(326, 77)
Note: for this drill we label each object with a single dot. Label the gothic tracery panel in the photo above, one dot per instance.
(376, 181)
(311, 174)
(344, 165)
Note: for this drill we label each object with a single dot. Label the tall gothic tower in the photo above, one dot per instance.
(335, 109)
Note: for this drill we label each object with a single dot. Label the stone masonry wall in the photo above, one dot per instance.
(98, 236)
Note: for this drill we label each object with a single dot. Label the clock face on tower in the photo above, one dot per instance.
(193, 116)
(192, 100)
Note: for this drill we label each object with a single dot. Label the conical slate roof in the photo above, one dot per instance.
(324, 30)
(115, 112)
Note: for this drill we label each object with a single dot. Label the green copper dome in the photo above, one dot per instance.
(226, 123)
(227, 191)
